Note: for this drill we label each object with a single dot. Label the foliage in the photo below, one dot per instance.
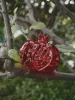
(13, 54)
(30, 89)
(65, 49)
(20, 88)
(37, 25)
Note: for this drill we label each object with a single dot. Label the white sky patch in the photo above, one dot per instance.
(50, 10)
(36, 4)
(47, 0)
(71, 63)
(71, 2)
(66, 2)
(73, 45)
(32, 1)
(42, 3)
(68, 54)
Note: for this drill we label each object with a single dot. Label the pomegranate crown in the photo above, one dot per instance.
(43, 38)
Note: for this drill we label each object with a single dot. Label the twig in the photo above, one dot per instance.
(21, 19)
(52, 18)
(31, 13)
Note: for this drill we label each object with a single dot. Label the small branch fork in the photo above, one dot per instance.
(64, 10)
(59, 75)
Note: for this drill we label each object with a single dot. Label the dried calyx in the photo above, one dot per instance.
(39, 57)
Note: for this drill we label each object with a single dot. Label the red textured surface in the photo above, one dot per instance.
(39, 57)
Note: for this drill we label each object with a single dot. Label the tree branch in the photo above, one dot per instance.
(7, 25)
(55, 38)
(31, 20)
(64, 10)
(58, 76)
(52, 18)
(31, 13)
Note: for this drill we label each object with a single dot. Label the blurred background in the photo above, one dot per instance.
(21, 88)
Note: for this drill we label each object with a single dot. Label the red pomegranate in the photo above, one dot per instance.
(39, 57)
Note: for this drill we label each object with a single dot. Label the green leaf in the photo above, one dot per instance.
(25, 31)
(37, 25)
(65, 49)
(13, 54)
(17, 34)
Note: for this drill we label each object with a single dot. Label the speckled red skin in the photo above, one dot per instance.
(39, 57)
